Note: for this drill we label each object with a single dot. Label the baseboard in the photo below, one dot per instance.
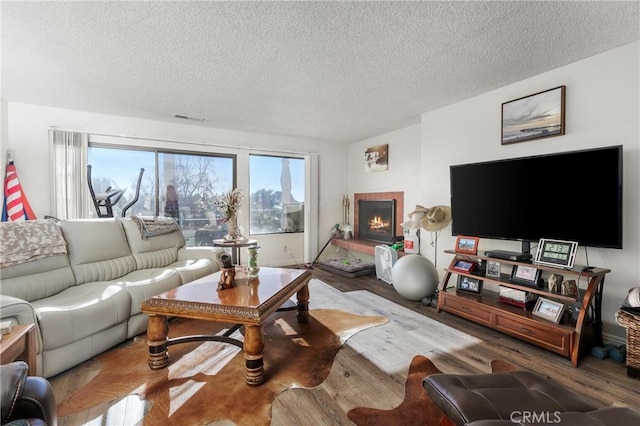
(615, 339)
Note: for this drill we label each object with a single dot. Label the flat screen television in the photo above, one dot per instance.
(572, 196)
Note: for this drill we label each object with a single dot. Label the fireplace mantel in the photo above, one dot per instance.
(364, 246)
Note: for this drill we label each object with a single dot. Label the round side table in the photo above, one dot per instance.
(235, 247)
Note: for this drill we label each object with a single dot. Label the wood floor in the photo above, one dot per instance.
(371, 368)
(375, 362)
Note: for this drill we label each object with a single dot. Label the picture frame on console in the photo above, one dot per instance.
(465, 266)
(493, 269)
(548, 309)
(468, 245)
(468, 284)
(547, 108)
(526, 275)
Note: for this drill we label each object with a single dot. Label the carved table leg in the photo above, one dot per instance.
(254, 354)
(157, 332)
(303, 304)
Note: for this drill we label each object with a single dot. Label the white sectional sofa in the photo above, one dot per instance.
(84, 294)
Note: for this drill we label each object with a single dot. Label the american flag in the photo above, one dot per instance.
(16, 206)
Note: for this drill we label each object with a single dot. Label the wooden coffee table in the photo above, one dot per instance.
(249, 303)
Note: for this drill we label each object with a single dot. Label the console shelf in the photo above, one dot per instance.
(569, 340)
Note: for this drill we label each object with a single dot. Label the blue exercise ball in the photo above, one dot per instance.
(414, 277)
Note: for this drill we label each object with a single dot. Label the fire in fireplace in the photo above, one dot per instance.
(377, 220)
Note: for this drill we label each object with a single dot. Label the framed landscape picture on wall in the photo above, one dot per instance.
(536, 116)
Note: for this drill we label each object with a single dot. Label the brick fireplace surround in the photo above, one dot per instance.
(364, 246)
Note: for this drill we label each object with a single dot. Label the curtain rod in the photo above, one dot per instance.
(240, 147)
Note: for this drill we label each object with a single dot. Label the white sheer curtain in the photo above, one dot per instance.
(69, 190)
(311, 206)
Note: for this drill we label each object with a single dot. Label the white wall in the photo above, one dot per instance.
(27, 129)
(602, 109)
(4, 137)
(403, 173)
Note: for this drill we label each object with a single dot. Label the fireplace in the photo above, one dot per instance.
(377, 220)
(367, 246)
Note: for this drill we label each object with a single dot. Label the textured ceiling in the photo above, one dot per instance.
(340, 71)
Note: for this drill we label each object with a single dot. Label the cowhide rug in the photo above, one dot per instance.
(416, 408)
(204, 381)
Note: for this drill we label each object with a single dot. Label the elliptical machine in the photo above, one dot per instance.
(104, 202)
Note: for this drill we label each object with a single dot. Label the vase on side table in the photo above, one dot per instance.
(232, 228)
(252, 262)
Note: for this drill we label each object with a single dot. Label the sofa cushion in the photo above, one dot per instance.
(98, 249)
(38, 279)
(197, 262)
(81, 311)
(191, 270)
(156, 259)
(143, 284)
(152, 252)
(55, 361)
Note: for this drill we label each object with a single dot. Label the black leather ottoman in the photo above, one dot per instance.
(517, 397)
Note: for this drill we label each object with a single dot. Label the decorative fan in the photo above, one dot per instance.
(385, 257)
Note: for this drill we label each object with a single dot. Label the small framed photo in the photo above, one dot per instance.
(376, 158)
(467, 245)
(525, 275)
(570, 288)
(464, 266)
(472, 285)
(493, 269)
(548, 309)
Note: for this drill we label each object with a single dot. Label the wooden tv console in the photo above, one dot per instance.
(570, 339)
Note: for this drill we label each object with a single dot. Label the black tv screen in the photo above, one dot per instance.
(573, 196)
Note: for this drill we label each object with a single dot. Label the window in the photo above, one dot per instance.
(276, 194)
(176, 184)
(119, 169)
